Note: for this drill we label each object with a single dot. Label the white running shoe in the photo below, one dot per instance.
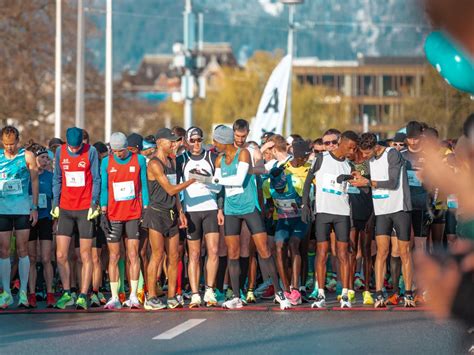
(282, 300)
(180, 299)
(113, 303)
(195, 301)
(234, 303)
(210, 298)
(320, 302)
(132, 303)
(345, 303)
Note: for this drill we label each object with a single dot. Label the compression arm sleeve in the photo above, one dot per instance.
(395, 164)
(95, 171)
(234, 180)
(104, 191)
(144, 181)
(57, 179)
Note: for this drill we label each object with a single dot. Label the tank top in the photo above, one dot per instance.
(239, 199)
(124, 186)
(76, 185)
(159, 198)
(14, 184)
(45, 195)
(288, 202)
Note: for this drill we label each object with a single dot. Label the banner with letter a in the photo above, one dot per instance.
(271, 109)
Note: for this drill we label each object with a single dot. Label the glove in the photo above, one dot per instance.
(306, 214)
(93, 212)
(55, 212)
(105, 224)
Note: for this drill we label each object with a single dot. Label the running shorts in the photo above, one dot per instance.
(233, 223)
(9, 222)
(43, 230)
(118, 228)
(201, 223)
(165, 222)
(326, 222)
(290, 227)
(68, 219)
(400, 221)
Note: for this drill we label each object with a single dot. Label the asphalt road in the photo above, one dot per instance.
(199, 332)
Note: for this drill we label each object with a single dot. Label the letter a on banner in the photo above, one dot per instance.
(271, 109)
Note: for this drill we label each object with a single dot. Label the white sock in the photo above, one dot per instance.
(344, 291)
(321, 292)
(114, 289)
(24, 270)
(134, 287)
(5, 271)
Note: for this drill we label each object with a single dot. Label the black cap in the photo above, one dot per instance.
(414, 129)
(135, 140)
(194, 131)
(55, 141)
(166, 133)
(301, 149)
(101, 147)
(399, 137)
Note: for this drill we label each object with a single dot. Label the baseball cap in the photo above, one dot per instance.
(399, 137)
(149, 142)
(194, 131)
(301, 149)
(166, 133)
(74, 137)
(118, 141)
(135, 140)
(55, 141)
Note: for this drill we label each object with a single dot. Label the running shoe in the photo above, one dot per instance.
(50, 301)
(173, 303)
(141, 296)
(153, 304)
(195, 301)
(331, 284)
(358, 284)
(64, 301)
(243, 298)
(345, 303)
(352, 296)
(282, 300)
(229, 294)
(23, 300)
(40, 295)
(410, 301)
(5, 300)
(132, 303)
(81, 303)
(101, 298)
(113, 303)
(250, 298)
(220, 297)
(234, 303)
(320, 302)
(74, 297)
(367, 296)
(187, 295)
(313, 295)
(310, 282)
(180, 299)
(122, 297)
(269, 293)
(304, 296)
(15, 286)
(295, 297)
(380, 302)
(210, 297)
(393, 300)
(94, 300)
(32, 300)
(263, 287)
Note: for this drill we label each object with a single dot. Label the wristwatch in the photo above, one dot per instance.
(34, 207)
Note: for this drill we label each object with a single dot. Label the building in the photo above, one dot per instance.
(378, 87)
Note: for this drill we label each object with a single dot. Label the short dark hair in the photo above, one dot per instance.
(367, 141)
(431, 132)
(241, 125)
(85, 136)
(318, 141)
(468, 126)
(9, 130)
(350, 135)
(296, 137)
(332, 131)
(179, 131)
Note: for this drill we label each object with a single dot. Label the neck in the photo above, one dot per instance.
(414, 150)
(11, 155)
(196, 153)
(160, 154)
(230, 149)
(337, 153)
(281, 156)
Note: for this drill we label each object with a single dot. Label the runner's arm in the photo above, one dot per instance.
(144, 181)
(95, 171)
(309, 179)
(237, 180)
(156, 171)
(57, 180)
(104, 191)
(395, 164)
(33, 168)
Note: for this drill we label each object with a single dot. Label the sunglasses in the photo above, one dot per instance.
(398, 144)
(334, 142)
(195, 140)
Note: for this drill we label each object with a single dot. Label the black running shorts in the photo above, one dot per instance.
(43, 230)
(400, 221)
(9, 222)
(325, 222)
(201, 223)
(164, 222)
(131, 229)
(254, 220)
(68, 219)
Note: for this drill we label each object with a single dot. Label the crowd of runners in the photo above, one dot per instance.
(168, 221)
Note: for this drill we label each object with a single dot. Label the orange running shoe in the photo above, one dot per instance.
(393, 300)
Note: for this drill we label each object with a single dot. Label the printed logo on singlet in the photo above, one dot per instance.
(65, 167)
(113, 170)
(65, 161)
(132, 169)
(82, 164)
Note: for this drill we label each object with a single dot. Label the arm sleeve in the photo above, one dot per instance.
(179, 169)
(395, 163)
(310, 177)
(57, 179)
(220, 199)
(144, 181)
(234, 180)
(104, 191)
(95, 171)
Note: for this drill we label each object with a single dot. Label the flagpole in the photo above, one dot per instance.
(58, 72)
(289, 101)
(108, 73)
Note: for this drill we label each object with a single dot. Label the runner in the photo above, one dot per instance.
(204, 212)
(163, 218)
(18, 169)
(241, 204)
(76, 188)
(43, 230)
(331, 170)
(124, 191)
(392, 206)
(399, 141)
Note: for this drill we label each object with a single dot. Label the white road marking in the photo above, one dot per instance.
(179, 329)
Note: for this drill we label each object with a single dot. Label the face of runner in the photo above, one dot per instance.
(413, 143)
(348, 148)
(318, 148)
(367, 153)
(43, 161)
(398, 145)
(330, 142)
(300, 161)
(148, 152)
(195, 144)
(267, 155)
(219, 146)
(10, 143)
(121, 153)
(74, 150)
(167, 146)
(240, 137)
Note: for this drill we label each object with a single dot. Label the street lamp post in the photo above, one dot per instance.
(80, 65)
(291, 28)
(108, 73)
(58, 72)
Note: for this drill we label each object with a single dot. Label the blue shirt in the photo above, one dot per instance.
(45, 180)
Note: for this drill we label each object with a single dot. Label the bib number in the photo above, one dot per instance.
(287, 208)
(124, 191)
(11, 187)
(413, 179)
(75, 179)
(331, 186)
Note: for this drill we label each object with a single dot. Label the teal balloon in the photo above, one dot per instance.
(456, 67)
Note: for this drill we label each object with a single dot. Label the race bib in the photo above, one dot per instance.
(124, 191)
(413, 179)
(172, 178)
(232, 191)
(452, 202)
(353, 190)
(75, 178)
(11, 187)
(287, 208)
(331, 186)
(42, 201)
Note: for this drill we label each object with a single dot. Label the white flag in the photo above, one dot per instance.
(271, 109)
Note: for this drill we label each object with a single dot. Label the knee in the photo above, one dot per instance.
(295, 247)
(86, 256)
(114, 258)
(382, 253)
(212, 252)
(194, 256)
(173, 258)
(132, 256)
(95, 259)
(61, 256)
(22, 251)
(45, 259)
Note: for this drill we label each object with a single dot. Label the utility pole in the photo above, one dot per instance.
(188, 79)
(58, 71)
(108, 73)
(80, 65)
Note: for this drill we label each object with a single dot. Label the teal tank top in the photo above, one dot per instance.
(14, 184)
(239, 200)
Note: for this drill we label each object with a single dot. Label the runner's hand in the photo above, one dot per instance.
(306, 214)
(220, 217)
(55, 212)
(33, 217)
(183, 221)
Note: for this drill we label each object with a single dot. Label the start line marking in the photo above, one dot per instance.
(179, 329)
